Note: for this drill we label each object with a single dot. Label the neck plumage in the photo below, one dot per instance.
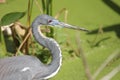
(54, 48)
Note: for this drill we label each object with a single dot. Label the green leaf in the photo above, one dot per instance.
(11, 18)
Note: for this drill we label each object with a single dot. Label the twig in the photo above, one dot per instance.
(27, 36)
(85, 64)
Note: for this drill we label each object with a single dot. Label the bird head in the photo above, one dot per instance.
(50, 21)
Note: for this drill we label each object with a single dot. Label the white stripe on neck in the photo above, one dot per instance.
(60, 63)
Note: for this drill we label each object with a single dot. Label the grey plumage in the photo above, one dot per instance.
(29, 67)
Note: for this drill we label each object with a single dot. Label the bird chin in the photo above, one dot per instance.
(58, 26)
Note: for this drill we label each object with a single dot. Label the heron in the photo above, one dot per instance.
(26, 67)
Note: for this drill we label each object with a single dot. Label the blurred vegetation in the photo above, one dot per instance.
(102, 17)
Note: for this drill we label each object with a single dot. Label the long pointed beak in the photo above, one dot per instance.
(72, 27)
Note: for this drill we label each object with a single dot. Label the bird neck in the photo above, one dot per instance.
(54, 48)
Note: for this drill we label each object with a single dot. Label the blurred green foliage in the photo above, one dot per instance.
(94, 15)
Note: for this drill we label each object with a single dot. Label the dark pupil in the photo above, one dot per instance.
(50, 21)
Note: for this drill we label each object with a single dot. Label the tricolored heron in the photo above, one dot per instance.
(29, 67)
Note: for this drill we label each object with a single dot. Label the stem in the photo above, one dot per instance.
(103, 65)
(48, 10)
(50, 13)
(0, 35)
(47, 6)
(2, 44)
(26, 45)
(84, 60)
(50, 7)
(111, 74)
(26, 38)
(43, 5)
(30, 5)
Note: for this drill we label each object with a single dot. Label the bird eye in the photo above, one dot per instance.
(49, 21)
